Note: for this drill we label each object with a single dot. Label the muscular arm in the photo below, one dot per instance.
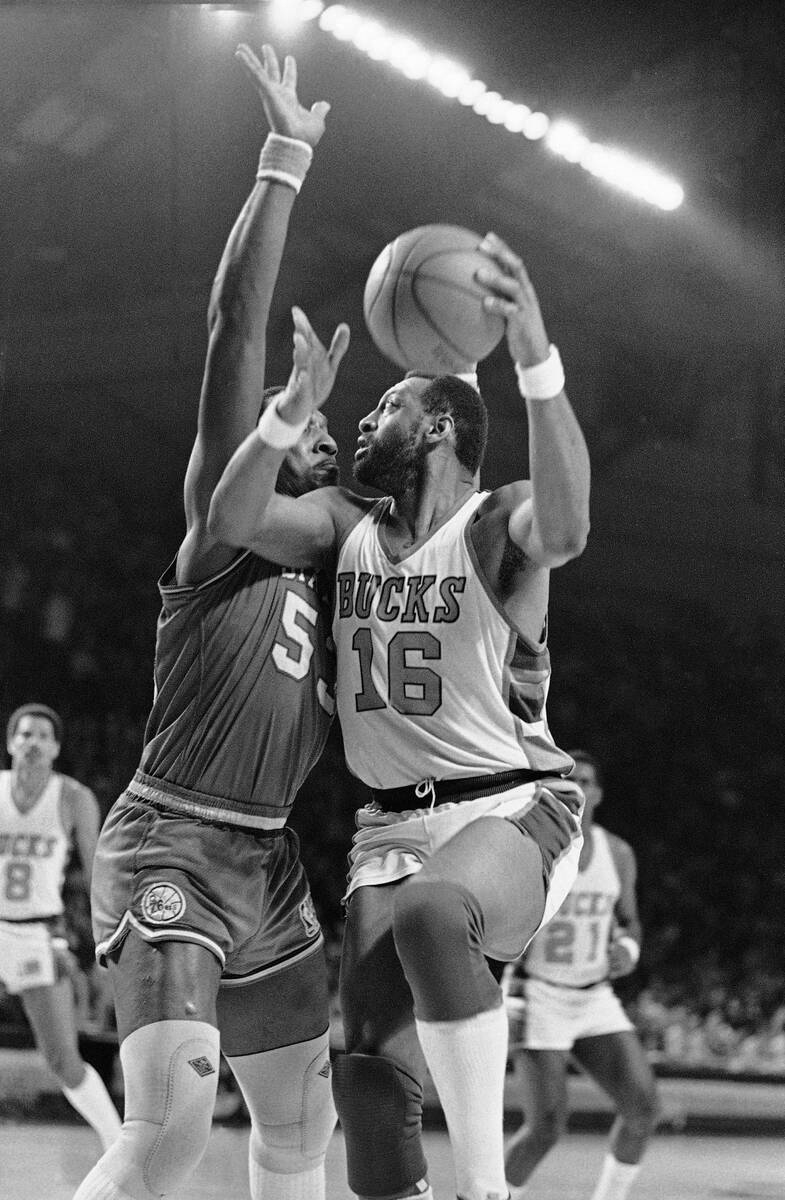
(234, 370)
(246, 510)
(239, 306)
(549, 525)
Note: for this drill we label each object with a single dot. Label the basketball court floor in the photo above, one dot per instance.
(46, 1161)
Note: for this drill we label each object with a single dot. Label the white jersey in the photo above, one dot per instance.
(34, 849)
(572, 949)
(434, 682)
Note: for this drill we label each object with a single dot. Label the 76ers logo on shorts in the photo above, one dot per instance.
(308, 916)
(162, 903)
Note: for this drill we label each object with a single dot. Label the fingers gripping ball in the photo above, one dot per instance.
(423, 306)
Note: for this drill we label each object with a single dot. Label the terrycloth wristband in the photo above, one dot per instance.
(543, 381)
(276, 432)
(470, 377)
(285, 160)
(630, 945)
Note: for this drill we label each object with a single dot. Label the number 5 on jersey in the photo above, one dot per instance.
(298, 664)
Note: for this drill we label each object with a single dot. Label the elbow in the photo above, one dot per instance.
(580, 537)
(569, 543)
(223, 526)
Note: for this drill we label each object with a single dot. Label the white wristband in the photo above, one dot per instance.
(285, 160)
(276, 432)
(543, 381)
(630, 945)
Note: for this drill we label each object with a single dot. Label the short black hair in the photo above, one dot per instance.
(583, 756)
(449, 394)
(35, 710)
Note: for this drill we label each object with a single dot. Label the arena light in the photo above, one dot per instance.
(565, 139)
(447, 77)
(454, 82)
(536, 126)
(288, 14)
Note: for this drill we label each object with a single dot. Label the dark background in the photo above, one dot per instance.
(128, 143)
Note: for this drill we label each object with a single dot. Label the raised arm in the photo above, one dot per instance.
(551, 524)
(246, 510)
(240, 301)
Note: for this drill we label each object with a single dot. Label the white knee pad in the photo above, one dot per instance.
(290, 1101)
(170, 1070)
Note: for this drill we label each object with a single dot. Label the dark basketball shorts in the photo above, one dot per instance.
(240, 893)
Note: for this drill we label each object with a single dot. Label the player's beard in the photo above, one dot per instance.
(392, 465)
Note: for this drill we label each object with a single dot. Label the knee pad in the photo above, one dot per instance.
(290, 1103)
(380, 1107)
(170, 1070)
(438, 928)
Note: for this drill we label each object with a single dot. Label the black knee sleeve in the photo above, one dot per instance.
(439, 930)
(380, 1109)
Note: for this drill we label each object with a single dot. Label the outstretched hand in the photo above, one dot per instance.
(277, 90)
(313, 371)
(510, 294)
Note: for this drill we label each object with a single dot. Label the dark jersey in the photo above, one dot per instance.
(244, 675)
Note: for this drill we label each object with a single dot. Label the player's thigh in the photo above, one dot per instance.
(502, 867)
(162, 981)
(376, 1001)
(51, 1013)
(542, 1085)
(617, 1061)
(287, 1006)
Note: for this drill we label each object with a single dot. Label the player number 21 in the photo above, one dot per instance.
(560, 941)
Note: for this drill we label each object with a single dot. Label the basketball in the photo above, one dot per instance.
(423, 306)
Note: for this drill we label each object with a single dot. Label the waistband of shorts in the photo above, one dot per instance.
(49, 920)
(471, 787)
(570, 987)
(171, 798)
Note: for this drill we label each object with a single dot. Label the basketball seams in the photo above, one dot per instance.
(425, 303)
(404, 274)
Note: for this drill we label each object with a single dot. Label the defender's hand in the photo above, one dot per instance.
(314, 370)
(278, 92)
(512, 296)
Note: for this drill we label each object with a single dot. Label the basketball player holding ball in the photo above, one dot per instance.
(472, 838)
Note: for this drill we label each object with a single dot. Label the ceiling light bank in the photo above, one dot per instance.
(453, 81)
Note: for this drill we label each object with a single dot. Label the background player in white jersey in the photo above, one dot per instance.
(473, 836)
(43, 816)
(569, 1006)
(201, 907)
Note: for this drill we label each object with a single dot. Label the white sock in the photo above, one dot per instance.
(271, 1185)
(467, 1060)
(98, 1186)
(91, 1099)
(616, 1179)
